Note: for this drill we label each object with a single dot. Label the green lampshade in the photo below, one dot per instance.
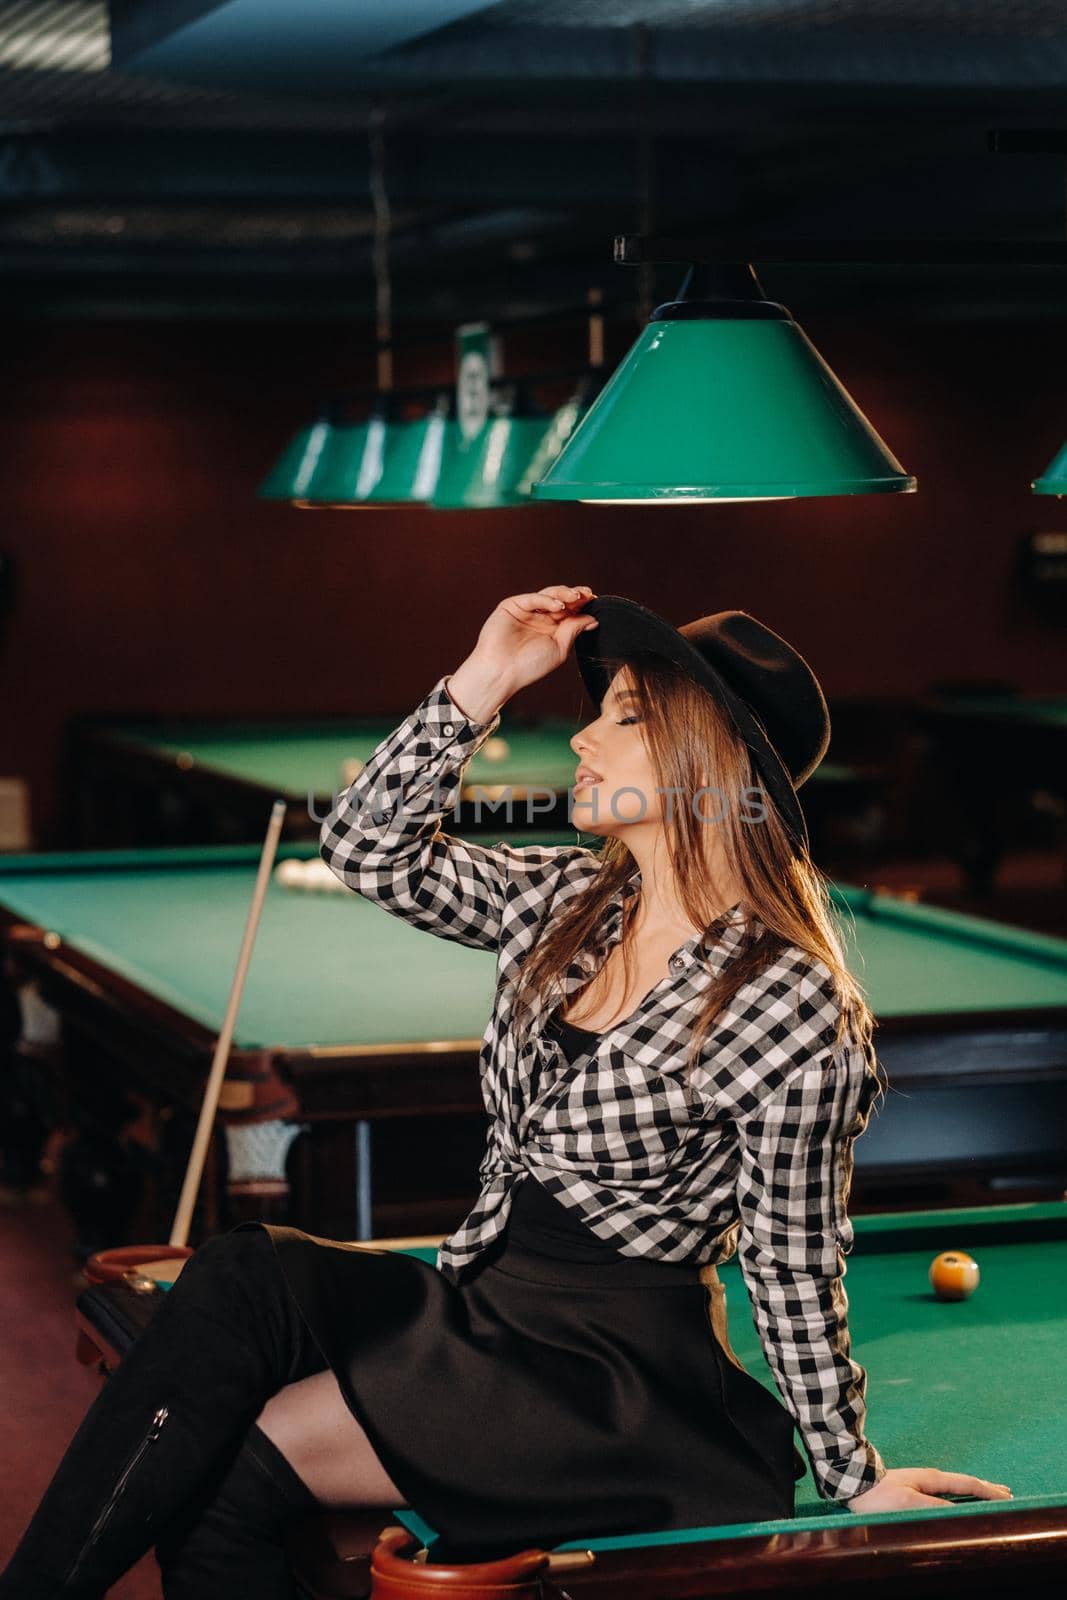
(341, 468)
(722, 397)
(487, 470)
(292, 473)
(563, 422)
(411, 461)
(1054, 478)
(379, 462)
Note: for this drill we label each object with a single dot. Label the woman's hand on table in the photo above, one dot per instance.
(914, 1488)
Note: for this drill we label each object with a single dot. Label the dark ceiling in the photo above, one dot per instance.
(180, 156)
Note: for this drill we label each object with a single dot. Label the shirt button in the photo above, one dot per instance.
(677, 962)
(449, 727)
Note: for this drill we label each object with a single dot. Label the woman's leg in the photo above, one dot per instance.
(234, 1544)
(310, 1424)
(306, 1450)
(167, 1425)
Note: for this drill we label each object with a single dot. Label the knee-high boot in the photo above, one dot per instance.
(167, 1422)
(233, 1548)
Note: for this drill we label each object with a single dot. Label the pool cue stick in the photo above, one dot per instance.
(183, 1217)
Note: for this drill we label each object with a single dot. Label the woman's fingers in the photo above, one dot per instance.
(536, 602)
(904, 1487)
(554, 601)
(932, 1480)
(568, 594)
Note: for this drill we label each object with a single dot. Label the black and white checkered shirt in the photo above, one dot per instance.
(752, 1151)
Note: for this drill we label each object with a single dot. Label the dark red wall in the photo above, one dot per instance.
(150, 578)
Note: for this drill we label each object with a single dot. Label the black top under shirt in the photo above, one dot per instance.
(538, 1221)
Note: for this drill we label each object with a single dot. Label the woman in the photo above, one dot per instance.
(677, 1064)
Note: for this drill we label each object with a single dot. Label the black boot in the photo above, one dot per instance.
(168, 1422)
(234, 1547)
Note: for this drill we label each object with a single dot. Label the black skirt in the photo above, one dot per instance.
(542, 1400)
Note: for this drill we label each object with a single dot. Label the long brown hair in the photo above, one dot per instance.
(692, 742)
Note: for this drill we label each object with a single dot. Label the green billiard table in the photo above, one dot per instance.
(351, 1017)
(991, 756)
(978, 1386)
(151, 783)
(184, 782)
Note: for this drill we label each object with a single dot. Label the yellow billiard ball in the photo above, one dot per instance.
(496, 749)
(954, 1275)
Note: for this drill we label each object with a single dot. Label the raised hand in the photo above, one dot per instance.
(523, 639)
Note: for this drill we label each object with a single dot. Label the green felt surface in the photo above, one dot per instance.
(327, 969)
(977, 1386)
(914, 959)
(333, 969)
(294, 760)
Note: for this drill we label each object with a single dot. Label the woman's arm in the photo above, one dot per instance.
(383, 836)
(793, 1184)
(792, 1188)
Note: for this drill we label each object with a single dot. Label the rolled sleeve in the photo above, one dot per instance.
(383, 838)
(792, 1190)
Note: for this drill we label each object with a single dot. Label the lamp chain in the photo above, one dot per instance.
(383, 286)
(646, 162)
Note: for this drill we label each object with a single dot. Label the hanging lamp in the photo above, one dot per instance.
(412, 456)
(562, 424)
(486, 470)
(384, 462)
(294, 470)
(566, 417)
(1054, 478)
(339, 471)
(722, 397)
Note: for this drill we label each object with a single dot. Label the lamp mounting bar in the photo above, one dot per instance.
(635, 249)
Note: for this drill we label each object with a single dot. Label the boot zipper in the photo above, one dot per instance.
(116, 1493)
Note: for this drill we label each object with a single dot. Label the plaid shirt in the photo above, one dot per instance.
(750, 1152)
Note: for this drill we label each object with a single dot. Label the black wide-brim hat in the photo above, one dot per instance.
(771, 693)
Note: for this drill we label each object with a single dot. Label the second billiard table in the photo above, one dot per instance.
(993, 757)
(146, 782)
(151, 782)
(353, 1018)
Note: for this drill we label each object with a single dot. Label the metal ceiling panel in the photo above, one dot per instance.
(272, 44)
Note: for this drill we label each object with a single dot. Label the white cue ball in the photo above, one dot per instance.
(290, 873)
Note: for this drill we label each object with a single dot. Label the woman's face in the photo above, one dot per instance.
(612, 747)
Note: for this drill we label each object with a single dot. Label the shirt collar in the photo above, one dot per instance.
(715, 946)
